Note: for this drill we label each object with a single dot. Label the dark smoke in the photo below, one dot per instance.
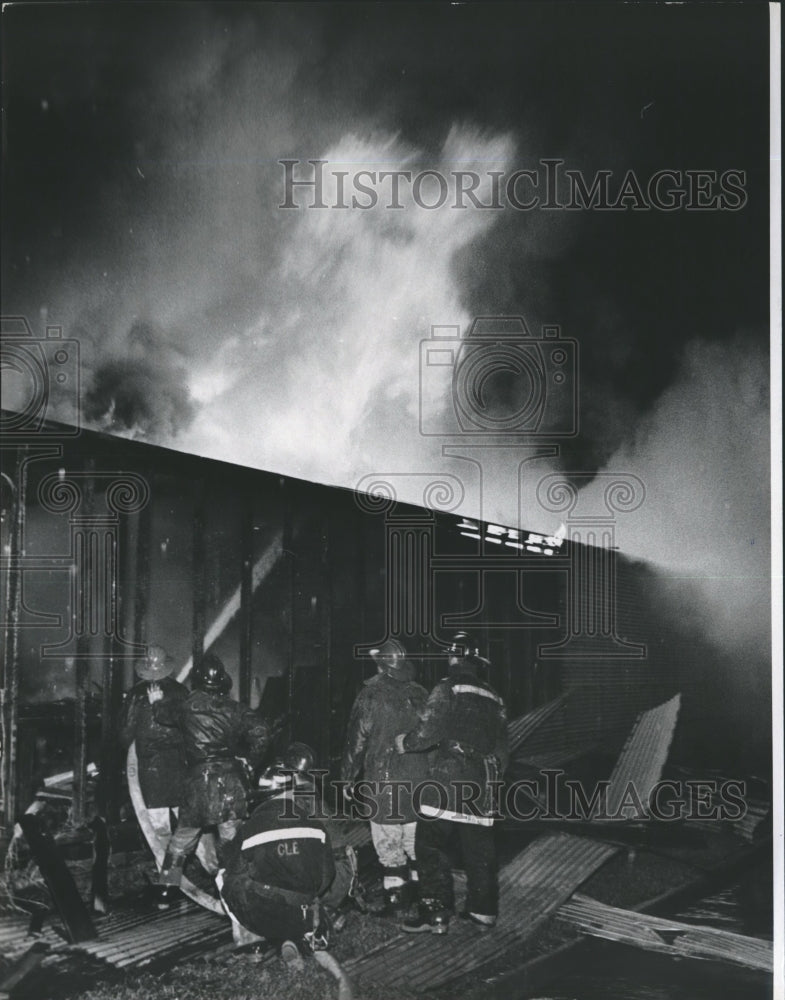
(142, 392)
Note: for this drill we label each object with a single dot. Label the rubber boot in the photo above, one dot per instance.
(395, 894)
(484, 921)
(388, 900)
(431, 918)
(172, 869)
(166, 896)
(291, 956)
(395, 901)
(412, 888)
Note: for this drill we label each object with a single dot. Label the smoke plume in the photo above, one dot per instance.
(703, 456)
(142, 391)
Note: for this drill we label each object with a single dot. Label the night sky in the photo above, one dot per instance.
(140, 212)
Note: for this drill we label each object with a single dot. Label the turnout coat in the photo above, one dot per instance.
(160, 749)
(216, 731)
(465, 725)
(277, 867)
(386, 706)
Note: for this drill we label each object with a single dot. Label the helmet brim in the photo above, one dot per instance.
(155, 671)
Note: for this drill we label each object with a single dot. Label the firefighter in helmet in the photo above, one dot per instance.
(160, 749)
(389, 703)
(465, 726)
(280, 874)
(216, 732)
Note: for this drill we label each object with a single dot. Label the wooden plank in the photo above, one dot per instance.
(14, 932)
(22, 968)
(73, 912)
(670, 937)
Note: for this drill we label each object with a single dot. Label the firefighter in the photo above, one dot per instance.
(159, 749)
(465, 721)
(280, 871)
(217, 731)
(389, 703)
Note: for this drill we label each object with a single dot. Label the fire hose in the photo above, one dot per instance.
(156, 844)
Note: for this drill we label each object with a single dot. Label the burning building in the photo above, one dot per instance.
(110, 544)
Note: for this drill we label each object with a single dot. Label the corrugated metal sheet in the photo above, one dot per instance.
(14, 938)
(643, 757)
(569, 750)
(756, 813)
(356, 834)
(668, 936)
(531, 888)
(600, 711)
(135, 940)
(519, 730)
(607, 695)
(756, 808)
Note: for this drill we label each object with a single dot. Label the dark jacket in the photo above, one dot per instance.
(465, 721)
(385, 707)
(278, 865)
(280, 845)
(216, 731)
(215, 727)
(159, 749)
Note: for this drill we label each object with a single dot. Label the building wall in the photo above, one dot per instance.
(343, 577)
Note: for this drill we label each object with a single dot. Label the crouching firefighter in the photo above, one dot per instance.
(216, 731)
(281, 875)
(465, 722)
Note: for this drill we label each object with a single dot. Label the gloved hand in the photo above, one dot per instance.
(398, 745)
(154, 693)
(348, 792)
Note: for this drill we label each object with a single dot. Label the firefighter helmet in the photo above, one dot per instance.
(210, 675)
(295, 764)
(156, 665)
(391, 657)
(299, 757)
(465, 647)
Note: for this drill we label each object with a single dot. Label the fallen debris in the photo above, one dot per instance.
(668, 936)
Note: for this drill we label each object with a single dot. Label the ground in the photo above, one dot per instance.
(240, 977)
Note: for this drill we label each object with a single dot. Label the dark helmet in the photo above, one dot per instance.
(299, 757)
(391, 656)
(211, 676)
(465, 647)
(295, 764)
